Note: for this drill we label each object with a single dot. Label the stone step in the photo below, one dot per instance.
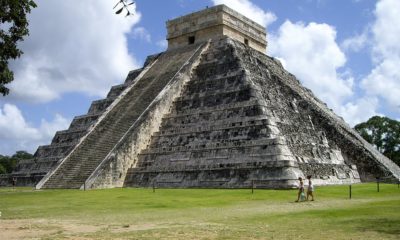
(69, 136)
(214, 137)
(99, 106)
(211, 109)
(227, 177)
(132, 76)
(216, 145)
(217, 125)
(229, 117)
(116, 90)
(48, 159)
(55, 149)
(206, 72)
(84, 121)
(220, 99)
(195, 165)
(106, 133)
(206, 86)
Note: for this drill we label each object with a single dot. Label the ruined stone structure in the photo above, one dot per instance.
(30, 172)
(211, 111)
(214, 23)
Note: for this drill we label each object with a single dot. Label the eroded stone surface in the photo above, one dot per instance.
(30, 172)
(220, 114)
(79, 164)
(241, 121)
(213, 23)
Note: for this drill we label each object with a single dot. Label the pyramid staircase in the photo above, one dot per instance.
(47, 157)
(221, 133)
(212, 111)
(242, 120)
(114, 122)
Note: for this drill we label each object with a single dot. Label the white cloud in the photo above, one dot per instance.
(48, 129)
(17, 134)
(360, 110)
(74, 46)
(13, 125)
(355, 43)
(141, 33)
(250, 10)
(386, 28)
(312, 54)
(384, 80)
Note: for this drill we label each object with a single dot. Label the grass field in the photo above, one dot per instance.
(200, 214)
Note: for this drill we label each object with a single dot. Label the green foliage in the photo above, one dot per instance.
(8, 164)
(2, 169)
(384, 133)
(14, 28)
(22, 155)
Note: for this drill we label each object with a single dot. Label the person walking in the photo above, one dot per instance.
(14, 182)
(300, 194)
(310, 188)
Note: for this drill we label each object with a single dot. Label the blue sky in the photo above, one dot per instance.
(345, 51)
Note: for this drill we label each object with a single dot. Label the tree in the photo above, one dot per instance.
(14, 27)
(8, 164)
(384, 134)
(2, 169)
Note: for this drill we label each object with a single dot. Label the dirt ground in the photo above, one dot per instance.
(49, 229)
(72, 229)
(41, 228)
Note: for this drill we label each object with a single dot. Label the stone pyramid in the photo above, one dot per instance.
(243, 120)
(213, 111)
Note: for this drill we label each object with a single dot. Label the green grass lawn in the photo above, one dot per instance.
(200, 214)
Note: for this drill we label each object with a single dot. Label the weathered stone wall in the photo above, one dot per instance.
(306, 141)
(76, 167)
(243, 120)
(213, 23)
(237, 35)
(29, 172)
(202, 35)
(356, 152)
(112, 171)
(5, 180)
(217, 134)
(232, 119)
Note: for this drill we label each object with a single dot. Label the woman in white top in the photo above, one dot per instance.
(310, 189)
(300, 194)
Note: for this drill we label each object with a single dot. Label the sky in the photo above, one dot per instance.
(346, 51)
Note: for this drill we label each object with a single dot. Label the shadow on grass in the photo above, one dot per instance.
(380, 225)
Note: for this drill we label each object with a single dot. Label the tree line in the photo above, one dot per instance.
(384, 134)
(8, 163)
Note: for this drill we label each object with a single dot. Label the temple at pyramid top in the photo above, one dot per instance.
(212, 23)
